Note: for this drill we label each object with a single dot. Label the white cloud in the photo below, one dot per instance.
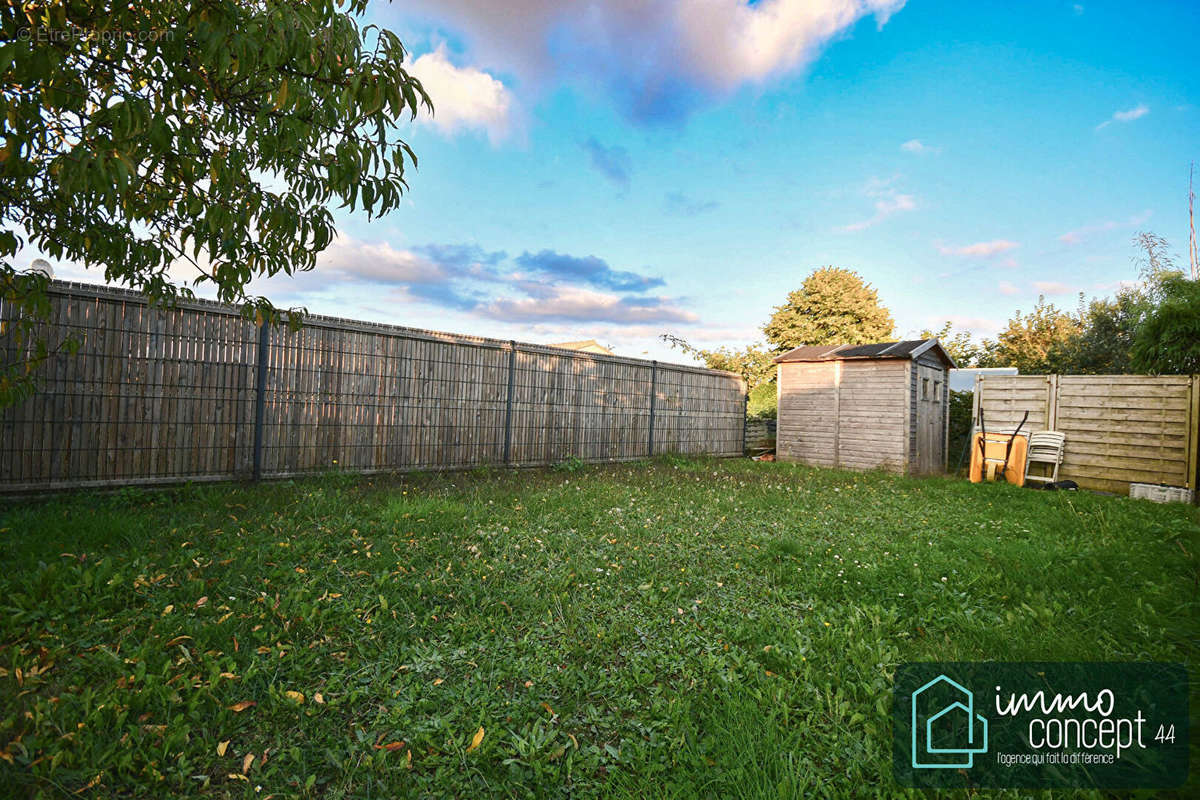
(1080, 234)
(888, 202)
(1137, 112)
(1118, 286)
(731, 42)
(1131, 114)
(643, 51)
(464, 98)
(570, 303)
(1076, 236)
(978, 249)
(350, 259)
(471, 282)
(918, 147)
(1053, 287)
(1008, 289)
(979, 326)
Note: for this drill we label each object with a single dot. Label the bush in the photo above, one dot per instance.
(763, 402)
(961, 404)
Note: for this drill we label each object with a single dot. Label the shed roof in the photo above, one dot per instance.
(909, 348)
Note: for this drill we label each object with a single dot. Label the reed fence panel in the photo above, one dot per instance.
(158, 395)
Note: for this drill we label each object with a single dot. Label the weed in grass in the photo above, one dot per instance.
(572, 464)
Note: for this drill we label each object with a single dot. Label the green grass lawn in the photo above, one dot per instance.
(680, 628)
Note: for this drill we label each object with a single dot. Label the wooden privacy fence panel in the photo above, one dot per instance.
(1120, 429)
(166, 395)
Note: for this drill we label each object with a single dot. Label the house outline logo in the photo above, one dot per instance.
(966, 703)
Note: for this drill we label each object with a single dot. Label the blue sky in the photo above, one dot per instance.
(620, 170)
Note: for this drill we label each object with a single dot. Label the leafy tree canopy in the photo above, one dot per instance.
(958, 344)
(136, 136)
(1100, 337)
(832, 306)
(1032, 341)
(1107, 327)
(1168, 342)
(753, 363)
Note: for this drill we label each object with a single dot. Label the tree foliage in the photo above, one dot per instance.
(1168, 342)
(832, 306)
(763, 401)
(1153, 261)
(1032, 342)
(958, 344)
(753, 363)
(141, 136)
(1104, 337)
(961, 411)
(1107, 327)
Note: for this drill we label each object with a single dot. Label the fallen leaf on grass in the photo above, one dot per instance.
(222, 747)
(549, 710)
(177, 640)
(202, 601)
(296, 697)
(438, 681)
(476, 739)
(89, 784)
(168, 610)
(242, 705)
(246, 762)
(390, 746)
(319, 699)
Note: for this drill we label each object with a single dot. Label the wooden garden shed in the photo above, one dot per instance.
(864, 406)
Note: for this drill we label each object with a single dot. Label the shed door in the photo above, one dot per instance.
(930, 410)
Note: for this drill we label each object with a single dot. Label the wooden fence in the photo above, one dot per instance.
(1120, 429)
(197, 392)
(760, 435)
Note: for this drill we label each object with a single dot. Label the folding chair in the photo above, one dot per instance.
(1047, 448)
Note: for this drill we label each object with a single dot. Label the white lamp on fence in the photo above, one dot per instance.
(43, 266)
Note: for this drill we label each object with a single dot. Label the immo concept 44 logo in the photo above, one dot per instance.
(992, 724)
(947, 732)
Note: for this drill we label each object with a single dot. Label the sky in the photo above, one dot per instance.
(618, 170)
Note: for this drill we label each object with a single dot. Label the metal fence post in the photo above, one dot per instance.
(653, 398)
(512, 370)
(260, 396)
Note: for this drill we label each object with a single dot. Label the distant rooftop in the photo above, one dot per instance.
(585, 346)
